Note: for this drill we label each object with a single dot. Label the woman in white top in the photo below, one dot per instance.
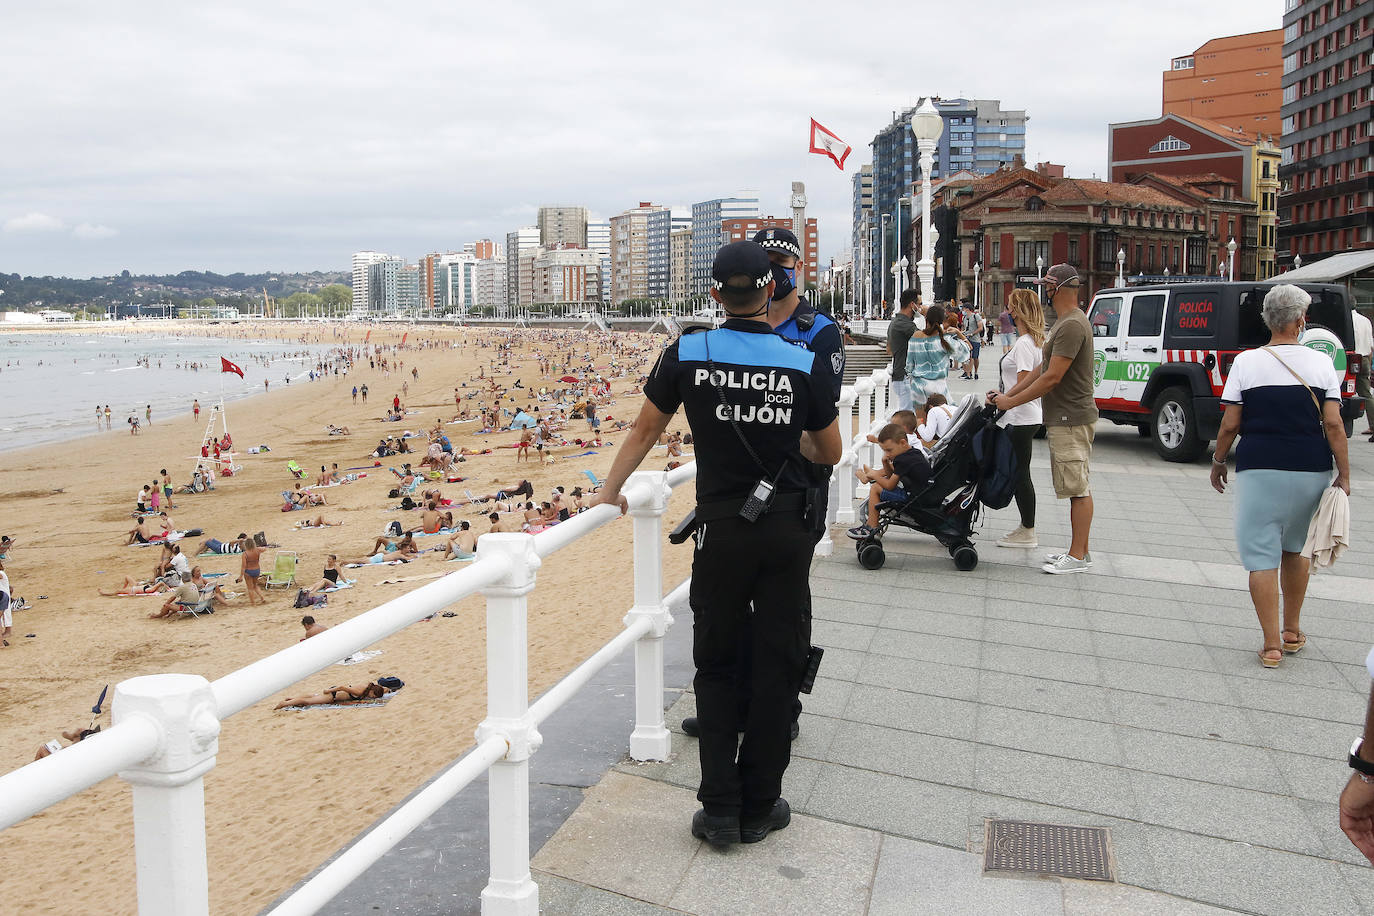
(1022, 422)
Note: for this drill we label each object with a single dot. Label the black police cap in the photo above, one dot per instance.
(741, 258)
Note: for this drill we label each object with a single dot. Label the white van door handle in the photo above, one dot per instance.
(1149, 349)
(1109, 349)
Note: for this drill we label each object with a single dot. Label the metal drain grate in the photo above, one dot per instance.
(1028, 847)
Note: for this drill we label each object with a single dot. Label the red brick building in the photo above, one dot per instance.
(1006, 220)
(1232, 80)
(742, 229)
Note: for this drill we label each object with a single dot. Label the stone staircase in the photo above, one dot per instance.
(861, 359)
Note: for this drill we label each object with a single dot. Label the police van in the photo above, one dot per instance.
(1161, 354)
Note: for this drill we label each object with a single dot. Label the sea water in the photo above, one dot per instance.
(51, 384)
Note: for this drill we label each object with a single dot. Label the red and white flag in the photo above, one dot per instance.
(226, 366)
(827, 144)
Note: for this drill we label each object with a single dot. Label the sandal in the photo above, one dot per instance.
(1295, 645)
(1268, 662)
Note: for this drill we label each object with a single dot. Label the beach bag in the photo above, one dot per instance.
(393, 493)
(394, 529)
(407, 503)
(390, 683)
(997, 466)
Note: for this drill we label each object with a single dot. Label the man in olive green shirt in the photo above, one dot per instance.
(1064, 383)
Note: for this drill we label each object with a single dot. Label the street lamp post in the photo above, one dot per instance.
(1297, 261)
(882, 260)
(977, 269)
(897, 250)
(926, 126)
(1121, 268)
(1039, 267)
(934, 244)
(1231, 265)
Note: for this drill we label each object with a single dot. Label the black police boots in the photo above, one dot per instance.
(718, 830)
(754, 829)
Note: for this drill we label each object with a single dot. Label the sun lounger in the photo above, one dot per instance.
(295, 469)
(203, 606)
(283, 573)
(597, 482)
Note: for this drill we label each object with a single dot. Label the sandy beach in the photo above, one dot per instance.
(290, 787)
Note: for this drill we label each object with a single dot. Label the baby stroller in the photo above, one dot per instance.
(947, 507)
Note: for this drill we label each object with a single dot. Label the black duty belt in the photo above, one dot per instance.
(729, 508)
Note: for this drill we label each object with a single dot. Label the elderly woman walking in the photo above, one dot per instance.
(1284, 401)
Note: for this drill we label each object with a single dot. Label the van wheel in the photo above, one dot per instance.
(1173, 426)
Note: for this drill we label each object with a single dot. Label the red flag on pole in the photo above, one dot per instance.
(226, 366)
(367, 336)
(403, 338)
(827, 144)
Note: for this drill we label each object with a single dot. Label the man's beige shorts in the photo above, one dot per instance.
(1071, 447)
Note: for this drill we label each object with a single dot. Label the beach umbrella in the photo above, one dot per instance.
(100, 702)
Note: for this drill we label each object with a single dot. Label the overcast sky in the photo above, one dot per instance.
(253, 136)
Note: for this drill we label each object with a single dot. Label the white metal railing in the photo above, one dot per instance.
(165, 731)
(867, 398)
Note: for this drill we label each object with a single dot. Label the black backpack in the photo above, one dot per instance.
(997, 466)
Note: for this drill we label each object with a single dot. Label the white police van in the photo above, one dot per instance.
(1161, 354)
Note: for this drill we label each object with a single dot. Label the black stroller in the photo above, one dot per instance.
(947, 507)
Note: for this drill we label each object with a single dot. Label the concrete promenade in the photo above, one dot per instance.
(1129, 697)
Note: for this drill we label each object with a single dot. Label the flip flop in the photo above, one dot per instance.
(1296, 645)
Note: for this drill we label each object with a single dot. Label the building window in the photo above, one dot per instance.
(1073, 251)
(996, 252)
(1170, 144)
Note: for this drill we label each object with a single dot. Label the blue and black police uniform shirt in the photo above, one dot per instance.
(774, 389)
(822, 338)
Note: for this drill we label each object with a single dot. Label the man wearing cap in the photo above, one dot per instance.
(899, 331)
(757, 406)
(1064, 383)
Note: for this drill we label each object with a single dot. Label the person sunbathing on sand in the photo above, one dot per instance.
(311, 627)
(327, 477)
(140, 533)
(318, 521)
(329, 578)
(349, 694)
(212, 545)
(302, 497)
(431, 520)
(132, 586)
(214, 591)
(463, 543)
(72, 735)
(404, 548)
(184, 595)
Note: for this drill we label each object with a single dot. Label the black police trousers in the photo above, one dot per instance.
(750, 594)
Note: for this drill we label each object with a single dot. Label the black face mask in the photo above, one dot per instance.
(782, 281)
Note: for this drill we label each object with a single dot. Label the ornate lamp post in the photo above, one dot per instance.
(977, 269)
(1297, 261)
(1121, 268)
(1231, 265)
(1039, 267)
(926, 126)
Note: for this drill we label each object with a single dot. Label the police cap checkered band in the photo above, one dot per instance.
(779, 240)
(741, 258)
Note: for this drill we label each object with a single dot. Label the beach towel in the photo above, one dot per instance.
(159, 540)
(1328, 535)
(360, 656)
(342, 584)
(355, 704)
(382, 563)
(465, 557)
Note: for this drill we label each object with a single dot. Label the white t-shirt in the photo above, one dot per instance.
(1364, 334)
(938, 421)
(181, 564)
(1024, 356)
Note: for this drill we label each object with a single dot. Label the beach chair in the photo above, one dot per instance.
(410, 489)
(283, 573)
(203, 606)
(597, 482)
(295, 469)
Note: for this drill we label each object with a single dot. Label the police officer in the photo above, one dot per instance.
(756, 410)
(792, 317)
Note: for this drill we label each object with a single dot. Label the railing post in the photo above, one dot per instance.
(863, 389)
(650, 739)
(841, 500)
(879, 395)
(168, 791)
(510, 890)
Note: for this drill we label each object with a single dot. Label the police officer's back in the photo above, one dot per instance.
(756, 409)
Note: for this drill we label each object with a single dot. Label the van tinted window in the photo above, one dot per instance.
(1106, 316)
(1147, 316)
(1252, 331)
(1329, 309)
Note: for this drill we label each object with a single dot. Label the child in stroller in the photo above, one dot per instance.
(943, 504)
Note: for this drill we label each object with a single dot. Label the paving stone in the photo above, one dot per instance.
(1026, 612)
(1251, 878)
(931, 758)
(828, 697)
(950, 650)
(828, 633)
(1136, 648)
(891, 804)
(1334, 705)
(811, 866)
(1040, 694)
(919, 676)
(1202, 759)
(1308, 777)
(937, 620)
(841, 664)
(1183, 717)
(602, 843)
(913, 712)
(1162, 680)
(1075, 739)
(1247, 816)
(1092, 898)
(568, 898)
(1055, 781)
(1302, 735)
(1323, 817)
(920, 878)
(1148, 625)
(1065, 666)
(1040, 636)
(853, 612)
